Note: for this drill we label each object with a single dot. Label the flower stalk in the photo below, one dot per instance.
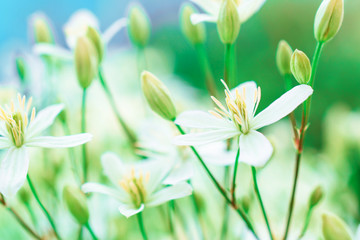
(88, 227)
(233, 186)
(83, 130)
(141, 226)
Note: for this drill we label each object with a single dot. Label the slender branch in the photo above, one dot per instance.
(197, 213)
(221, 189)
(257, 191)
(83, 130)
(228, 64)
(225, 222)
(233, 187)
(87, 225)
(32, 188)
(141, 226)
(306, 223)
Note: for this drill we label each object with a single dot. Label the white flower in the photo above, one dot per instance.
(76, 27)
(137, 185)
(246, 9)
(238, 119)
(19, 131)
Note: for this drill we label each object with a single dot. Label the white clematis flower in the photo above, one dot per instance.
(238, 119)
(20, 131)
(246, 8)
(137, 185)
(76, 27)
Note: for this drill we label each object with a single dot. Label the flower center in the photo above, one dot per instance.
(16, 119)
(134, 185)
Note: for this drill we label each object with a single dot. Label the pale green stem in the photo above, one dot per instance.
(87, 225)
(306, 223)
(83, 130)
(233, 186)
(141, 226)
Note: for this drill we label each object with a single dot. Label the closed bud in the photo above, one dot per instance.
(195, 33)
(228, 24)
(334, 228)
(21, 68)
(95, 38)
(24, 196)
(283, 57)
(75, 200)
(245, 203)
(86, 63)
(42, 30)
(158, 96)
(316, 196)
(300, 67)
(139, 26)
(328, 19)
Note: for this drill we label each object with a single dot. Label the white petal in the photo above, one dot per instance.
(249, 88)
(284, 105)
(210, 6)
(113, 29)
(52, 50)
(193, 139)
(5, 142)
(129, 210)
(255, 149)
(216, 153)
(113, 167)
(102, 189)
(59, 142)
(13, 171)
(43, 120)
(181, 172)
(200, 119)
(158, 170)
(169, 193)
(3, 130)
(248, 8)
(200, 17)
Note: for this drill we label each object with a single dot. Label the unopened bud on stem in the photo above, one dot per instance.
(228, 23)
(316, 196)
(42, 30)
(195, 33)
(334, 228)
(95, 38)
(300, 67)
(283, 57)
(139, 26)
(75, 200)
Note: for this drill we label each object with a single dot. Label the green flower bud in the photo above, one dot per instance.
(195, 33)
(42, 31)
(75, 200)
(95, 38)
(86, 63)
(300, 67)
(245, 202)
(158, 96)
(21, 68)
(334, 228)
(316, 196)
(139, 26)
(228, 23)
(283, 57)
(24, 196)
(328, 19)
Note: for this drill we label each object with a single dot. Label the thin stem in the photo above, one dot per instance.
(141, 226)
(300, 142)
(128, 132)
(83, 130)
(87, 225)
(288, 86)
(205, 64)
(197, 214)
(227, 65)
(257, 191)
(171, 206)
(225, 222)
(221, 189)
(307, 221)
(32, 188)
(233, 186)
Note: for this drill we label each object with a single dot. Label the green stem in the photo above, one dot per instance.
(87, 225)
(225, 222)
(32, 188)
(83, 130)
(306, 224)
(205, 64)
(288, 86)
(221, 189)
(129, 133)
(257, 191)
(300, 142)
(171, 206)
(228, 64)
(233, 187)
(141, 226)
(197, 214)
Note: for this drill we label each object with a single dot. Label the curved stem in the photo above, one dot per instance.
(233, 187)
(33, 191)
(83, 130)
(257, 191)
(221, 189)
(227, 64)
(128, 132)
(306, 224)
(141, 226)
(87, 225)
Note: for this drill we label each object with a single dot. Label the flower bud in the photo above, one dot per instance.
(300, 67)
(42, 30)
(195, 33)
(86, 63)
(24, 196)
(228, 23)
(75, 200)
(139, 26)
(316, 196)
(334, 228)
(158, 96)
(94, 36)
(328, 19)
(283, 57)
(21, 68)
